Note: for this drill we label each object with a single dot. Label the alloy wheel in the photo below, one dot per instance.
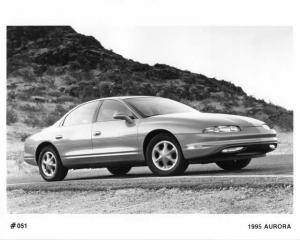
(164, 155)
(49, 164)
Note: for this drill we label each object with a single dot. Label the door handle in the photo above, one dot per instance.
(58, 137)
(97, 133)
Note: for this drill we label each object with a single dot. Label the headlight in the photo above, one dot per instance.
(265, 126)
(221, 129)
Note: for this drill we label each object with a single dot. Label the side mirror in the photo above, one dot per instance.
(122, 116)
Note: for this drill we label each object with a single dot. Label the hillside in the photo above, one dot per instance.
(52, 68)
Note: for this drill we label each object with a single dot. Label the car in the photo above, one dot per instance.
(119, 133)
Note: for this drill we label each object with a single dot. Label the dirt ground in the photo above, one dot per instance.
(235, 199)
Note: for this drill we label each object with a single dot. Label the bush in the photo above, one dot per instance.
(59, 111)
(88, 92)
(11, 116)
(27, 74)
(23, 136)
(54, 93)
(50, 119)
(74, 65)
(209, 109)
(30, 108)
(32, 121)
(11, 95)
(63, 99)
(104, 89)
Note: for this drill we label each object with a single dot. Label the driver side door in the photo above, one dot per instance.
(114, 140)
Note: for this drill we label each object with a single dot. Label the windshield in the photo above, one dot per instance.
(151, 106)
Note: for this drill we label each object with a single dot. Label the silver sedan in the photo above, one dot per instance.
(121, 132)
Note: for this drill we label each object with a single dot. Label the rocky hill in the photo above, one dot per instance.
(52, 68)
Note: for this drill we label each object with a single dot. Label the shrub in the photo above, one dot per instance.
(209, 109)
(23, 96)
(54, 93)
(33, 121)
(48, 81)
(50, 119)
(74, 65)
(104, 89)
(30, 108)
(11, 95)
(63, 99)
(162, 74)
(59, 110)
(146, 89)
(23, 136)
(11, 116)
(27, 74)
(138, 67)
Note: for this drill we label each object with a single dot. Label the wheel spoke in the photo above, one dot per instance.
(171, 159)
(165, 163)
(165, 149)
(171, 151)
(52, 161)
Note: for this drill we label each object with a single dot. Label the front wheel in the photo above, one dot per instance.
(119, 170)
(233, 165)
(164, 156)
(50, 166)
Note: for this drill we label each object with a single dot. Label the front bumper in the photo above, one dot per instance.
(30, 159)
(254, 141)
(252, 150)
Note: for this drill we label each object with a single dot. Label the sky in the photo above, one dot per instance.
(259, 59)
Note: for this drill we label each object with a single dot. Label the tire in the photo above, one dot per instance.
(233, 165)
(164, 156)
(50, 166)
(119, 170)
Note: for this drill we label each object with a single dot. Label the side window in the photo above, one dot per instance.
(82, 115)
(109, 108)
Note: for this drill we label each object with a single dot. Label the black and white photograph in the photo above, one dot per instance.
(147, 121)
(130, 137)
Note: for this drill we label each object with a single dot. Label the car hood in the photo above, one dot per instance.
(212, 119)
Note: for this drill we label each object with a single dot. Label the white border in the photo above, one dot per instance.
(139, 12)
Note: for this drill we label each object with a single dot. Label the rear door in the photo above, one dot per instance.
(114, 140)
(73, 139)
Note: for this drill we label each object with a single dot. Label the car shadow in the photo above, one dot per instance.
(206, 173)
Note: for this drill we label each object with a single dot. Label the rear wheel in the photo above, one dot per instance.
(119, 170)
(164, 156)
(232, 165)
(50, 166)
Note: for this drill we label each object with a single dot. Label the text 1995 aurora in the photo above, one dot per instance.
(122, 132)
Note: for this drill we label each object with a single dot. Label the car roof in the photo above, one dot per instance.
(124, 97)
(112, 98)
